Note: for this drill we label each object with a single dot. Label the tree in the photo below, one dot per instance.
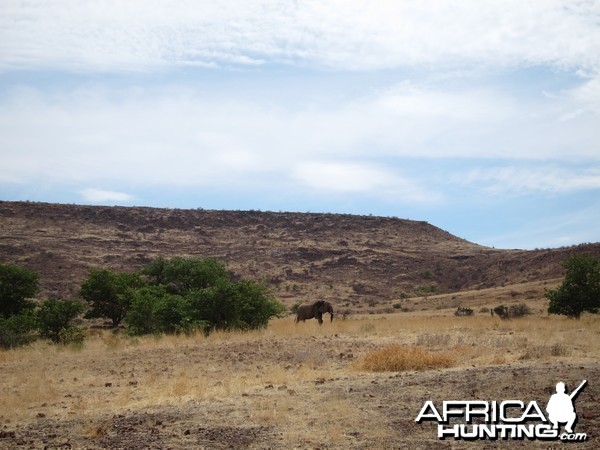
(216, 305)
(17, 284)
(55, 320)
(256, 304)
(110, 294)
(154, 310)
(186, 294)
(244, 305)
(580, 290)
(141, 317)
(181, 275)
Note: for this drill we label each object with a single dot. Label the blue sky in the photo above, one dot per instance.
(480, 117)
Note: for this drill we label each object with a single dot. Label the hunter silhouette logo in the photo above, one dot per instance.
(560, 407)
(510, 419)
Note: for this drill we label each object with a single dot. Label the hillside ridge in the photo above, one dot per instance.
(349, 259)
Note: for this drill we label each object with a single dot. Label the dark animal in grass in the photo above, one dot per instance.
(314, 311)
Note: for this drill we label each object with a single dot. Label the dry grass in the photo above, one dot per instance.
(396, 358)
(273, 377)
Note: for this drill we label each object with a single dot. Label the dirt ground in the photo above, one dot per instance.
(291, 386)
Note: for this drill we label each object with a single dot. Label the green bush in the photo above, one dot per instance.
(154, 310)
(216, 305)
(255, 305)
(179, 295)
(55, 319)
(580, 290)
(17, 284)
(17, 330)
(141, 317)
(109, 294)
(182, 275)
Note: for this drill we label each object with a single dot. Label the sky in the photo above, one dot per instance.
(481, 117)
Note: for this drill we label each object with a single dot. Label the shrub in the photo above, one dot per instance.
(460, 311)
(255, 304)
(580, 290)
(182, 275)
(395, 358)
(520, 310)
(110, 294)
(512, 311)
(141, 318)
(501, 311)
(241, 305)
(17, 330)
(71, 335)
(186, 294)
(244, 304)
(426, 289)
(17, 284)
(55, 320)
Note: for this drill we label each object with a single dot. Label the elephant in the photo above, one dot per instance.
(314, 310)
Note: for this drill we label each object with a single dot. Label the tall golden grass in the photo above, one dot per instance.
(397, 358)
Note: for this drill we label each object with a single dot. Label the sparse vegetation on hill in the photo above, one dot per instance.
(365, 264)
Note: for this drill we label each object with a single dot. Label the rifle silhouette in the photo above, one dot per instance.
(574, 393)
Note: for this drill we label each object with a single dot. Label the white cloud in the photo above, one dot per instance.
(183, 136)
(537, 178)
(355, 178)
(111, 35)
(103, 196)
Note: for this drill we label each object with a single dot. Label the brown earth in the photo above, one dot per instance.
(292, 386)
(359, 263)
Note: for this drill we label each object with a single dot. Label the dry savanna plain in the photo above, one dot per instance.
(358, 382)
(297, 386)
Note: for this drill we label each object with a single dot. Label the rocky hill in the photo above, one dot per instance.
(357, 261)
